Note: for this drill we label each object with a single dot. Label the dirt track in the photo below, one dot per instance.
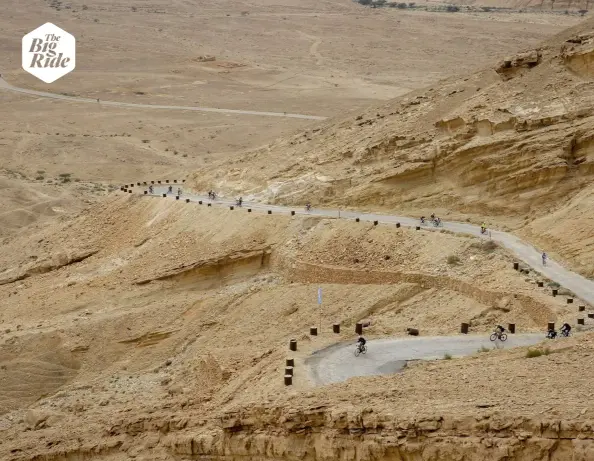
(8, 87)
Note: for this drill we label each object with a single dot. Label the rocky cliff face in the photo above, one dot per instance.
(364, 434)
(352, 434)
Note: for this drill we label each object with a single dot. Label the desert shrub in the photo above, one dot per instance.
(40, 178)
(65, 175)
(453, 259)
(484, 349)
(485, 245)
(452, 9)
(490, 245)
(365, 2)
(447, 356)
(531, 353)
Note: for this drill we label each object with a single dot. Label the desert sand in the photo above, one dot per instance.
(147, 328)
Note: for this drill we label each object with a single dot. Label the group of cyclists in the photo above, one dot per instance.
(151, 190)
(499, 333)
(564, 331)
(436, 221)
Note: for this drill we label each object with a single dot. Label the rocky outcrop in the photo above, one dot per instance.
(215, 271)
(51, 263)
(511, 65)
(578, 55)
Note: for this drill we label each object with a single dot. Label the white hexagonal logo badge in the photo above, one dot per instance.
(49, 52)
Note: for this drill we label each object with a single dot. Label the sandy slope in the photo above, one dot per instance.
(509, 145)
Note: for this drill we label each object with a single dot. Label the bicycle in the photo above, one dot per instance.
(437, 223)
(564, 333)
(499, 336)
(361, 349)
(551, 334)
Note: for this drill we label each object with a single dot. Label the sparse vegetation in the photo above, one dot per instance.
(447, 356)
(484, 349)
(531, 353)
(453, 259)
(485, 245)
(40, 178)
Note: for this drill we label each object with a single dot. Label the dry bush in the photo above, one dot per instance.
(453, 259)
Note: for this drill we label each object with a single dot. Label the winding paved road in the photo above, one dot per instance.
(386, 356)
(8, 87)
(581, 286)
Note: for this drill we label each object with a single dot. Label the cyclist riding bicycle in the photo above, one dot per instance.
(499, 330)
(565, 329)
(240, 201)
(170, 190)
(551, 334)
(432, 216)
(544, 259)
(361, 342)
(151, 189)
(422, 219)
(308, 206)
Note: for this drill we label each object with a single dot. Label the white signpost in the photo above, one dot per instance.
(320, 304)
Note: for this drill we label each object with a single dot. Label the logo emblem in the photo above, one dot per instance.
(49, 53)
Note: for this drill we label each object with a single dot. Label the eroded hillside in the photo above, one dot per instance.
(143, 326)
(511, 145)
